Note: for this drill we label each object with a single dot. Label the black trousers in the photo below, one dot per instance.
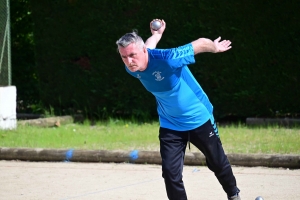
(206, 139)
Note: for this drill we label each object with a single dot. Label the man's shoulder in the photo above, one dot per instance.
(158, 54)
(171, 53)
(157, 51)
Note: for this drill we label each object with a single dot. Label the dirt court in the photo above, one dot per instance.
(111, 181)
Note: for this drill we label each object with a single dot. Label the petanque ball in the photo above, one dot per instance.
(259, 198)
(155, 25)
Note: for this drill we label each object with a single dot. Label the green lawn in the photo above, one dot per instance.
(124, 135)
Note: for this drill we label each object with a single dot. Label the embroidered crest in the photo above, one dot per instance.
(157, 75)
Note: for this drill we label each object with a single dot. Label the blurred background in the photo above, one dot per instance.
(64, 57)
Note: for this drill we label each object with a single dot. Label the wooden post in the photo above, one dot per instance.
(8, 105)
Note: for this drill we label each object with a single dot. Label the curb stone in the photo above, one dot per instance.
(143, 157)
(286, 122)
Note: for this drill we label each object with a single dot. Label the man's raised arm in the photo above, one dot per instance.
(203, 45)
(152, 41)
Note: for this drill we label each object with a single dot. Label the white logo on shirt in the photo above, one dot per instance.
(158, 76)
(138, 76)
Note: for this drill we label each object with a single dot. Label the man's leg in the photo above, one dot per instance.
(206, 139)
(172, 150)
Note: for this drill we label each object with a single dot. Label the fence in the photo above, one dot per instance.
(5, 57)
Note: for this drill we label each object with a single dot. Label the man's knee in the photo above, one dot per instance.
(172, 173)
(217, 165)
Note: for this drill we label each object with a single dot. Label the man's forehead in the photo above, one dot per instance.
(131, 48)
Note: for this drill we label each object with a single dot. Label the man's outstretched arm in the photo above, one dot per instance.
(153, 40)
(206, 45)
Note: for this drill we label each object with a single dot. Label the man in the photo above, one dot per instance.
(185, 112)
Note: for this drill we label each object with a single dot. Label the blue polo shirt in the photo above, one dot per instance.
(181, 102)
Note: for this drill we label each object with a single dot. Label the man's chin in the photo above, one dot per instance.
(133, 69)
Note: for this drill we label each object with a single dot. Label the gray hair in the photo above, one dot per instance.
(130, 38)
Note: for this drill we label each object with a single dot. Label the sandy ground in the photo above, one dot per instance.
(111, 181)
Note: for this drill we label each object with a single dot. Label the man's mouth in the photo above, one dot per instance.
(132, 66)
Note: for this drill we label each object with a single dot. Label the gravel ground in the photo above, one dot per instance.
(110, 181)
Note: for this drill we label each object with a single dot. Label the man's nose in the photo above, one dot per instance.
(129, 60)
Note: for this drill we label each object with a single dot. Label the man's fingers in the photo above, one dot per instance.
(225, 43)
(218, 39)
(163, 22)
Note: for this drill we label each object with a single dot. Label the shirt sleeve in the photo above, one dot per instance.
(180, 56)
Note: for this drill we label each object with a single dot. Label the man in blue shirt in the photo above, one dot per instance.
(185, 112)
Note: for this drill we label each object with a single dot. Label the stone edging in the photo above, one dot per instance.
(289, 122)
(142, 157)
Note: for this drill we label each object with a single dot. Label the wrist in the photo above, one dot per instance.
(156, 33)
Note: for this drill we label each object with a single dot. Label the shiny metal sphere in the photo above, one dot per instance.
(155, 25)
(259, 198)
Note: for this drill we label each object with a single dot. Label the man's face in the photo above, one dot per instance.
(134, 57)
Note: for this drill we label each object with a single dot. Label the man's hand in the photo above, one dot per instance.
(203, 45)
(221, 46)
(152, 41)
(161, 29)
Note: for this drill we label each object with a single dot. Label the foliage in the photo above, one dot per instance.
(79, 70)
(24, 74)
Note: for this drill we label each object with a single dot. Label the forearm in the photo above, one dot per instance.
(203, 45)
(152, 41)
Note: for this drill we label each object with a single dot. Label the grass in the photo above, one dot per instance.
(240, 139)
(126, 135)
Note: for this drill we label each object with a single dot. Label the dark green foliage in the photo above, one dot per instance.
(24, 74)
(79, 68)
